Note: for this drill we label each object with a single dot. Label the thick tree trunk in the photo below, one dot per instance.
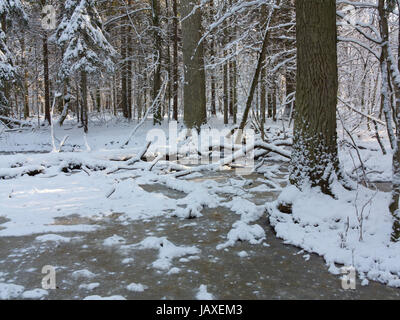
(315, 155)
(195, 111)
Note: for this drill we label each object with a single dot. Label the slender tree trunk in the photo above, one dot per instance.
(263, 93)
(169, 62)
(46, 79)
(124, 72)
(226, 97)
(254, 82)
(26, 75)
(195, 109)
(176, 62)
(386, 64)
(235, 99)
(5, 111)
(315, 155)
(84, 101)
(129, 66)
(157, 117)
(274, 105)
(67, 99)
(212, 73)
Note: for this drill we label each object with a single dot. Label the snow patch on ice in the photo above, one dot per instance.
(10, 291)
(114, 240)
(167, 251)
(85, 274)
(242, 231)
(202, 294)
(35, 294)
(136, 287)
(53, 238)
(95, 297)
(89, 286)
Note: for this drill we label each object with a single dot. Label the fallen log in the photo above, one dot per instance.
(133, 160)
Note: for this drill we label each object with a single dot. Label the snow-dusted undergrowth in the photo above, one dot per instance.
(352, 230)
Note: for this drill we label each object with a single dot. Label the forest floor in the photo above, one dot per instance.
(144, 234)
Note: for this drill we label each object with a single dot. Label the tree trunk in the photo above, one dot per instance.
(46, 79)
(394, 204)
(157, 117)
(129, 66)
(124, 71)
(315, 155)
(84, 101)
(25, 86)
(67, 99)
(176, 62)
(263, 93)
(234, 84)
(212, 73)
(254, 83)
(195, 110)
(226, 98)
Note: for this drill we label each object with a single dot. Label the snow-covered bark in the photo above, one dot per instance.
(388, 63)
(315, 155)
(7, 72)
(9, 10)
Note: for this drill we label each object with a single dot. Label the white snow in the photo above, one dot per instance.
(35, 294)
(174, 270)
(167, 251)
(95, 297)
(136, 287)
(243, 254)
(52, 237)
(114, 240)
(83, 274)
(202, 294)
(333, 229)
(89, 286)
(242, 231)
(10, 291)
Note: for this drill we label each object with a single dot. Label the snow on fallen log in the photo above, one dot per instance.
(10, 173)
(132, 160)
(235, 156)
(272, 148)
(12, 120)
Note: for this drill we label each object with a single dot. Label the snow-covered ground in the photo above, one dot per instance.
(85, 201)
